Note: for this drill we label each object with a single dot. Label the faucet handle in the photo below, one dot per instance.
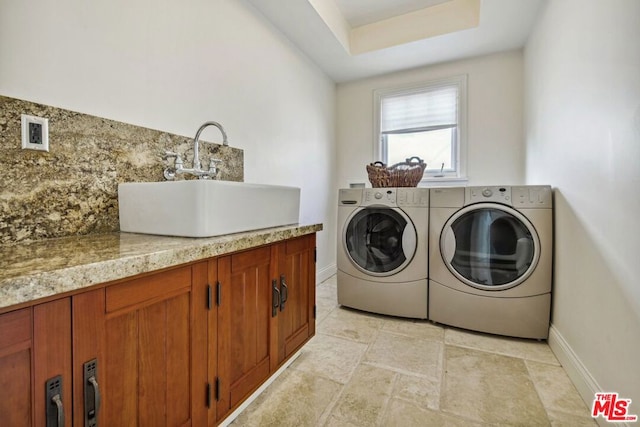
(170, 172)
(170, 154)
(213, 167)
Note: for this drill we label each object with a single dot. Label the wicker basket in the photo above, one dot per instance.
(404, 174)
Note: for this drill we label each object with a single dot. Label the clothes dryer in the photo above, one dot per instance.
(490, 265)
(382, 252)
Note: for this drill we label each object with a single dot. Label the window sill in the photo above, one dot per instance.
(447, 181)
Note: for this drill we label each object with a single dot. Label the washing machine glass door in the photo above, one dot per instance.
(380, 241)
(490, 246)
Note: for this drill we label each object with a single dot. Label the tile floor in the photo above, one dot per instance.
(368, 370)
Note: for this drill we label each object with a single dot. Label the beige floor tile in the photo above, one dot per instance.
(324, 306)
(404, 414)
(406, 355)
(561, 419)
(328, 289)
(334, 421)
(365, 396)
(330, 357)
(515, 347)
(420, 391)
(490, 388)
(326, 298)
(352, 325)
(364, 370)
(556, 390)
(414, 328)
(295, 399)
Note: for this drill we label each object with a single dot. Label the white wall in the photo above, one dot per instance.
(171, 66)
(495, 118)
(582, 79)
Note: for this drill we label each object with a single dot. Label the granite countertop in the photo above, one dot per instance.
(44, 268)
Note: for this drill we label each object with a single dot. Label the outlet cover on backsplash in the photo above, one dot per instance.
(72, 189)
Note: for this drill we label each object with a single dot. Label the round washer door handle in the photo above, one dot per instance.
(409, 242)
(448, 244)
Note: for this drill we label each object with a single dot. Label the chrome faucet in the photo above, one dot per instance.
(196, 140)
(196, 170)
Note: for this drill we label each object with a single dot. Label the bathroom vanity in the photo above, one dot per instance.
(127, 329)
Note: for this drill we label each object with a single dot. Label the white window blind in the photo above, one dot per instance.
(433, 109)
(427, 120)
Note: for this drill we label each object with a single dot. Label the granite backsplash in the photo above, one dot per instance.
(72, 189)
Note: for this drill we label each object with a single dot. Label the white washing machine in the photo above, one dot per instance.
(383, 250)
(490, 265)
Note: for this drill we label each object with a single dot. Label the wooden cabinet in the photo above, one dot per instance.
(35, 346)
(144, 338)
(16, 351)
(180, 347)
(265, 313)
(297, 276)
(244, 350)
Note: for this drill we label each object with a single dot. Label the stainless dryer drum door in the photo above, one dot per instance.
(380, 241)
(490, 246)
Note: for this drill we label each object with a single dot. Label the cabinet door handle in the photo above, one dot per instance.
(54, 406)
(284, 292)
(275, 300)
(92, 398)
(97, 399)
(60, 410)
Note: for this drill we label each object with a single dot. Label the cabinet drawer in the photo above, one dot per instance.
(147, 289)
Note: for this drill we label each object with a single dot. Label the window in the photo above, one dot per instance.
(427, 121)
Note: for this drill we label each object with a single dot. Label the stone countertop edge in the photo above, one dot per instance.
(46, 268)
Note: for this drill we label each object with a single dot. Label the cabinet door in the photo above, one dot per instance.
(244, 317)
(297, 279)
(52, 357)
(145, 337)
(16, 349)
(35, 346)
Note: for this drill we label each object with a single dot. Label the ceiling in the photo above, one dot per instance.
(362, 12)
(354, 39)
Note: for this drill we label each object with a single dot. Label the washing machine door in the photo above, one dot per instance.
(490, 246)
(380, 241)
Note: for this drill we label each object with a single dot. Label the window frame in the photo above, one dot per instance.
(459, 158)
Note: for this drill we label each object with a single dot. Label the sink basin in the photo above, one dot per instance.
(203, 208)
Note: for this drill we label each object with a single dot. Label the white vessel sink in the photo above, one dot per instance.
(203, 208)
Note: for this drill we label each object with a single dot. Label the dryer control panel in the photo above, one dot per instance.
(532, 196)
(525, 196)
(494, 194)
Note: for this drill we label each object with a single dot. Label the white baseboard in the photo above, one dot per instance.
(324, 273)
(582, 379)
(578, 373)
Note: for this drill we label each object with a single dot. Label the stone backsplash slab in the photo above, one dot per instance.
(72, 189)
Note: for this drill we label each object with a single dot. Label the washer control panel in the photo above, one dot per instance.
(349, 196)
(392, 197)
(379, 196)
(415, 197)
